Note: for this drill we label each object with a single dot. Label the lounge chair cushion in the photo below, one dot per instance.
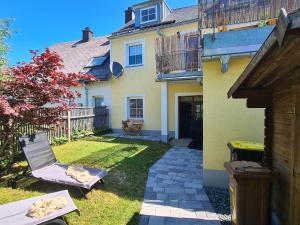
(56, 173)
(15, 212)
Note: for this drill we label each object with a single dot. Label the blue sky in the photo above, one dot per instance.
(41, 23)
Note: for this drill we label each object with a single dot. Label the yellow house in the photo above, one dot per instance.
(139, 83)
(164, 85)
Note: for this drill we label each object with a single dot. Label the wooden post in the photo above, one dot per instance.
(268, 135)
(69, 126)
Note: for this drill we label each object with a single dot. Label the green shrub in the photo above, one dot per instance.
(80, 134)
(59, 140)
(102, 131)
(4, 164)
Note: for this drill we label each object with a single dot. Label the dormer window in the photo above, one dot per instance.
(149, 14)
(96, 61)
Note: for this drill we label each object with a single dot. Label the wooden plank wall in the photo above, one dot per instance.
(283, 149)
(296, 173)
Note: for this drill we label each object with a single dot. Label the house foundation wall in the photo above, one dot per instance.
(215, 178)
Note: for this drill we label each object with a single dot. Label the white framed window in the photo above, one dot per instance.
(135, 107)
(149, 14)
(98, 101)
(134, 53)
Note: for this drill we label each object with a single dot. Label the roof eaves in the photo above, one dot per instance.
(146, 3)
(171, 10)
(138, 31)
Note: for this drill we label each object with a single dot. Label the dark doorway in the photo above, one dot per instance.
(191, 119)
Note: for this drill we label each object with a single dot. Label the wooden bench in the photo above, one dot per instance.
(132, 127)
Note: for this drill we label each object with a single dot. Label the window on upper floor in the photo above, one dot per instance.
(135, 54)
(148, 14)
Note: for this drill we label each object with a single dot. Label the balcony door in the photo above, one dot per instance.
(178, 52)
(191, 51)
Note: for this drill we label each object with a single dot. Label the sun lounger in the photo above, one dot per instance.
(44, 165)
(17, 212)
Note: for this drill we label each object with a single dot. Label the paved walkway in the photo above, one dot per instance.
(139, 137)
(174, 194)
(182, 142)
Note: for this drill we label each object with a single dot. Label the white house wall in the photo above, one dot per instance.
(101, 89)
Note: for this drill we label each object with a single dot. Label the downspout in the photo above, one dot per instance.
(86, 95)
(159, 32)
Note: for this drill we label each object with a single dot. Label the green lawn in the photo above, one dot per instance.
(116, 202)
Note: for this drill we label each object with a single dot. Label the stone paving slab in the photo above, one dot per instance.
(174, 193)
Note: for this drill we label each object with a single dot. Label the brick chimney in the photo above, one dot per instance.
(87, 34)
(128, 14)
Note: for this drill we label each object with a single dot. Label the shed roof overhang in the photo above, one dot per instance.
(277, 59)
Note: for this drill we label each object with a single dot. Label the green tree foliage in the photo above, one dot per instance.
(5, 32)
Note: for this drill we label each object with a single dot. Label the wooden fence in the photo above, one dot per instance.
(77, 119)
(81, 118)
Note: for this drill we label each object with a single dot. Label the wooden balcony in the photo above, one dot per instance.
(221, 13)
(178, 54)
(177, 61)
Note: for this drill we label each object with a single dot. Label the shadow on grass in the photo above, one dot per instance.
(134, 219)
(127, 172)
(122, 140)
(128, 165)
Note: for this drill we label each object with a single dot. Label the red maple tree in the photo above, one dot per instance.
(28, 87)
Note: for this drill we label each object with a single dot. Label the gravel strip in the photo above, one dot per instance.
(220, 201)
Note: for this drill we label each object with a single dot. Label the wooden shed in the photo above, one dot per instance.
(272, 81)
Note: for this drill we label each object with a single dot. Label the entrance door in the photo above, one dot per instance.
(191, 119)
(295, 197)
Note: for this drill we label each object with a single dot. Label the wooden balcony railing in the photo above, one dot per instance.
(213, 13)
(178, 53)
(178, 61)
